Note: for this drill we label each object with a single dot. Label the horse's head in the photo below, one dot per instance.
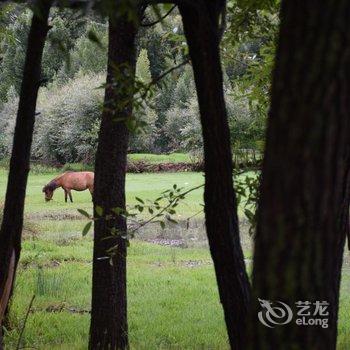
(48, 190)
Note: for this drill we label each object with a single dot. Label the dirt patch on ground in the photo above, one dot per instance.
(61, 307)
(61, 215)
(50, 263)
(30, 264)
(183, 234)
(195, 263)
(184, 263)
(29, 232)
(168, 242)
(66, 240)
(187, 235)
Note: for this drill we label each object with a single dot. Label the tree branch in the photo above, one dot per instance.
(151, 24)
(156, 80)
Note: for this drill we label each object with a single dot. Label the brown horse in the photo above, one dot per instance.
(78, 181)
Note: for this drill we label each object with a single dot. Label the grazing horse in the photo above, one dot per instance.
(78, 181)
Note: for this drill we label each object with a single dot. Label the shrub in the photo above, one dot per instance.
(143, 140)
(67, 127)
(7, 123)
(183, 127)
(246, 129)
(144, 167)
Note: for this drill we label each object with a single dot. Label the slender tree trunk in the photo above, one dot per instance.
(109, 328)
(303, 212)
(11, 228)
(202, 33)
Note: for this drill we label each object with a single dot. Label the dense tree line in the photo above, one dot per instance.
(73, 70)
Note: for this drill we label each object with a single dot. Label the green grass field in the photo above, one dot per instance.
(146, 186)
(161, 158)
(172, 295)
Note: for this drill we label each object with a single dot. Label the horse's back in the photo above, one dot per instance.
(90, 176)
(78, 180)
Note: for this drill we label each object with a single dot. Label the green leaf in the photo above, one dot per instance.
(117, 210)
(139, 200)
(167, 7)
(249, 214)
(87, 228)
(84, 213)
(99, 210)
(94, 38)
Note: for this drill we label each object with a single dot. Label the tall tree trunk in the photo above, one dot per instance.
(109, 328)
(12, 223)
(303, 211)
(201, 24)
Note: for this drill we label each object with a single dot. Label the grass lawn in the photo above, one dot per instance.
(170, 303)
(173, 301)
(160, 158)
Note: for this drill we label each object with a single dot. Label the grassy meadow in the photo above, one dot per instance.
(160, 158)
(173, 301)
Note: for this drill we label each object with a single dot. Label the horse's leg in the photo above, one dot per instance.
(70, 196)
(65, 195)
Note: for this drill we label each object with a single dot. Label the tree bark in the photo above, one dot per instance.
(303, 211)
(201, 25)
(109, 328)
(12, 223)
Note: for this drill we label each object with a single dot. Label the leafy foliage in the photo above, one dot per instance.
(166, 116)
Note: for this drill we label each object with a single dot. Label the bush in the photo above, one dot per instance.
(246, 129)
(66, 130)
(183, 127)
(143, 140)
(7, 123)
(77, 167)
(69, 120)
(67, 126)
(144, 167)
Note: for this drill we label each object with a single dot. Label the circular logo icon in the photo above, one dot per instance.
(274, 313)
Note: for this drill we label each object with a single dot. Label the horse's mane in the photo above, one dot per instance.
(52, 185)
